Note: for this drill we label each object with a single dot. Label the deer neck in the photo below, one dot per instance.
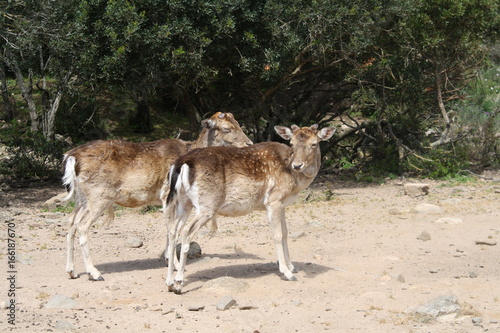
(304, 178)
(205, 139)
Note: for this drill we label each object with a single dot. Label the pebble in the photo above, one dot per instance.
(196, 307)
(64, 325)
(486, 242)
(424, 236)
(440, 306)
(225, 303)
(477, 321)
(193, 253)
(401, 278)
(450, 220)
(428, 208)
(133, 242)
(472, 274)
(416, 189)
(297, 235)
(61, 302)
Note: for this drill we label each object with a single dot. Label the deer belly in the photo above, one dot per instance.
(241, 204)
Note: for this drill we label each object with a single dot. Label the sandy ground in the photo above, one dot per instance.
(363, 266)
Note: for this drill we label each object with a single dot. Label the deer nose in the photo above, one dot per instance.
(249, 143)
(298, 166)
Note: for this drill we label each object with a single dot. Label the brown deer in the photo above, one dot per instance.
(103, 173)
(235, 181)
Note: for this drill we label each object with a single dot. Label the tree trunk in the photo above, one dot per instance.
(191, 112)
(7, 105)
(445, 135)
(26, 91)
(50, 116)
(143, 117)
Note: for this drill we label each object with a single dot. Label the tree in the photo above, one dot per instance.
(39, 42)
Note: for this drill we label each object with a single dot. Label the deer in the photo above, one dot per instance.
(102, 173)
(232, 181)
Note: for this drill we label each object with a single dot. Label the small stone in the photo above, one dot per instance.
(486, 242)
(225, 303)
(424, 236)
(24, 259)
(64, 325)
(297, 235)
(401, 278)
(133, 242)
(193, 253)
(440, 306)
(61, 302)
(477, 321)
(428, 208)
(472, 274)
(450, 220)
(414, 189)
(433, 270)
(196, 307)
(3, 305)
(248, 307)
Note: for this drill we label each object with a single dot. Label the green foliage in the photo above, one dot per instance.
(446, 162)
(31, 155)
(478, 119)
(269, 62)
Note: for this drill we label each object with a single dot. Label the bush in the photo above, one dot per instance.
(478, 118)
(30, 155)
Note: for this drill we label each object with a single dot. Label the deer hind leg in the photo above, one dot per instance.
(186, 233)
(276, 214)
(83, 229)
(176, 216)
(77, 215)
(110, 217)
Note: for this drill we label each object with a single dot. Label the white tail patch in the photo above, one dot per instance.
(69, 177)
(183, 180)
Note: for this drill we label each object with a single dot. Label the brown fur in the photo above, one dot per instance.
(235, 181)
(103, 173)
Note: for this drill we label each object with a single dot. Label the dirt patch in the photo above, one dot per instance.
(362, 266)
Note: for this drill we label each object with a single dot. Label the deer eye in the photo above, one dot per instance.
(226, 130)
(314, 145)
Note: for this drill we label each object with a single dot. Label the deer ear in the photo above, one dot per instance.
(208, 123)
(314, 128)
(221, 115)
(284, 132)
(295, 128)
(326, 133)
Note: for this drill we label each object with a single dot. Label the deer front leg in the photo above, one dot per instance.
(276, 214)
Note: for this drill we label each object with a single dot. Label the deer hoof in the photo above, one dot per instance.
(99, 278)
(73, 276)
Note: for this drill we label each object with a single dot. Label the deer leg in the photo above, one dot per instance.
(277, 222)
(178, 215)
(186, 234)
(77, 215)
(284, 243)
(83, 230)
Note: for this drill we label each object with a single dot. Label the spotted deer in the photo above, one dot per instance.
(235, 181)
(106, 172)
